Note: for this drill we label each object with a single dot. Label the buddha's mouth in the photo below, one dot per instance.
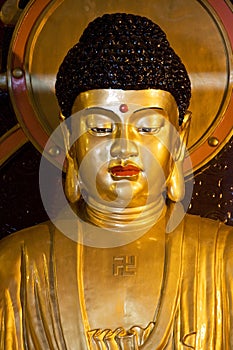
(128, 171)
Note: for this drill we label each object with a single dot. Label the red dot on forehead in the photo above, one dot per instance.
(123, 108)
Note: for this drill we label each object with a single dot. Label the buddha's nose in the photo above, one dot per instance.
(124, 146)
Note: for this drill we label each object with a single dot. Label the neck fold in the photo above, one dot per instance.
(125, 218)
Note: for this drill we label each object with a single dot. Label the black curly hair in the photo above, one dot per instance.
(122, 51)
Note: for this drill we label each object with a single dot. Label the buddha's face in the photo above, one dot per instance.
(125, 151)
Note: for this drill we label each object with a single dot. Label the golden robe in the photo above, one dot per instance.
(41, 293)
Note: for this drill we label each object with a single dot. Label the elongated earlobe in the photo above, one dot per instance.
(72, 189)
(175, 184)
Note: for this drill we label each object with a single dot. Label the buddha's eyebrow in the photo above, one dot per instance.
(100, 110)
(148, 108)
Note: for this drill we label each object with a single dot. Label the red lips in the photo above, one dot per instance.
(125, 171)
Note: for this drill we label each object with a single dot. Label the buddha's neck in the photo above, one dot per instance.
(113, 218)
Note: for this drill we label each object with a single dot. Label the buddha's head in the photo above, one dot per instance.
(130, 92)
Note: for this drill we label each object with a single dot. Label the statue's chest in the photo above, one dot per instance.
(122, 286)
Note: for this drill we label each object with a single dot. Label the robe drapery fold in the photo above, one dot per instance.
(39, 292)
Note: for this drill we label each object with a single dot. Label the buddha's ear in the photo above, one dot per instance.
(175, 183)
(72, 189)
(184, 134)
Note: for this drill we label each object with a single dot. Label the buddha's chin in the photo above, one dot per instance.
(122, 194)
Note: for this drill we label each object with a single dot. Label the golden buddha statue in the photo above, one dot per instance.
(149, 286)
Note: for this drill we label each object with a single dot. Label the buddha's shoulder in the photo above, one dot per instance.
(31, 248)
(31, 234)
(202, 222)
(208, 231)
(35, 241)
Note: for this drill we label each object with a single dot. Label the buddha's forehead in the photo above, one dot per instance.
(128, 101)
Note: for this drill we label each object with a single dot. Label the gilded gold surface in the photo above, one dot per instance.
(169, 289)
(146, 98)
(206, 53)
(144, 137)
(45, 298)
(155, 292)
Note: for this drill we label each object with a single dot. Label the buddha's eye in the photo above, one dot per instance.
(149, 130)
(101, 131)
(99, 124)
(149, 121)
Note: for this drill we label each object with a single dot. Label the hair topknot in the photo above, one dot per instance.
(122, 51)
